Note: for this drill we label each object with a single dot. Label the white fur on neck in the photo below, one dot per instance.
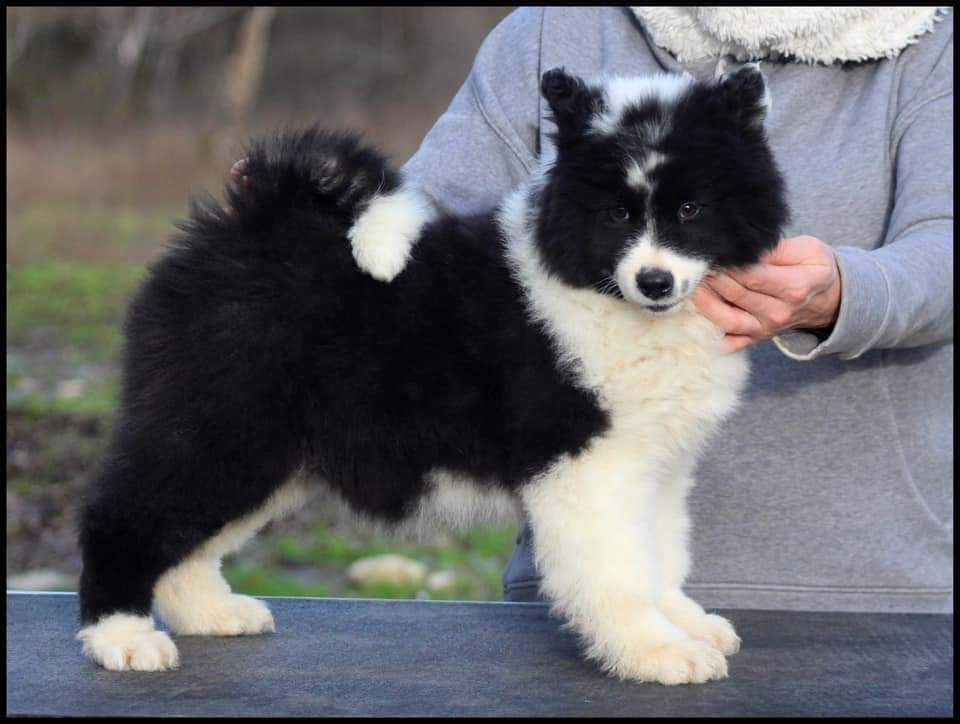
(809, 34)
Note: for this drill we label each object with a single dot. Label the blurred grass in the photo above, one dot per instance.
(71, 269)
(99, 401)
(64, 327)
(69, 229)
(67, 304)
(313, 565)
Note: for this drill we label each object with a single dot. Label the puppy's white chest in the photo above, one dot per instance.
(666, 381)
(663, 380)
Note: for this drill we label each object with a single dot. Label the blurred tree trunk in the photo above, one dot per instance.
(130, 51)
(179, 28)
(245, 70)
(21, 20)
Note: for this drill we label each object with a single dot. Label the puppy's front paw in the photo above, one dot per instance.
(714, 630)
(678, 662)
(687, 614)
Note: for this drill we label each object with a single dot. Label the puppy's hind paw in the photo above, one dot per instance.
(243, 616)
(228, 615)
(124, 642)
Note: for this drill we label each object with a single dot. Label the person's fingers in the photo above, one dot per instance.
(735, 293)
(771, 280)
(796, 250)
(729, 318)
(735, 343)
(772, 313)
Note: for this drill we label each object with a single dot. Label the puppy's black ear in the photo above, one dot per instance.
(571, 101)
(745, 91)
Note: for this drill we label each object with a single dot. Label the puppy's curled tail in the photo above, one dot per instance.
(333, 172)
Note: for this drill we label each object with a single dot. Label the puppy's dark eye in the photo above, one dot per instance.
(619, 214)
(689, 210)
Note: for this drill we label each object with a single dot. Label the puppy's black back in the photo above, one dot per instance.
(256, 345)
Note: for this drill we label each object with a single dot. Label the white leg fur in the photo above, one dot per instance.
(384, 234)
(710, 628)
(673, 531)
(124, 642)
(193, 598)
(594, 536)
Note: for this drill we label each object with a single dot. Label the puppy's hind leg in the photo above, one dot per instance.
(194, 599)
(673, 532)
(124, 552)
(159, 517)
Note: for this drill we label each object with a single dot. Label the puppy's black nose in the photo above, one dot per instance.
(654, 283)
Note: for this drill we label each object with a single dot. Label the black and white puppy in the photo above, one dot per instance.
(329, 321)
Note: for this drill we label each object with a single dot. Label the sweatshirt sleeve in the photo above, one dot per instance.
(901, 294)
(486, 141)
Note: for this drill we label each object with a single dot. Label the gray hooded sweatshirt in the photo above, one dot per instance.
(831, 488)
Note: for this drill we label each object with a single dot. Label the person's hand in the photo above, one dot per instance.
(795, 286)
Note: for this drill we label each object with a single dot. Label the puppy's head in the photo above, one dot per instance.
(656, 181)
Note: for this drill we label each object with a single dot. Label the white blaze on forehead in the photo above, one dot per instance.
(638, 171)
(621, 93)
(687, 271)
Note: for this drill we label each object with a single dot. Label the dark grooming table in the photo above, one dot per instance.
(348, 657)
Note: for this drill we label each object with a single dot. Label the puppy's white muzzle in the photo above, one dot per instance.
(657, 277)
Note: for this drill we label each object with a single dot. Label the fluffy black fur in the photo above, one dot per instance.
(256, 346)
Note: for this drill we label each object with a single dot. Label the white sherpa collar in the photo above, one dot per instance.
(805, 34)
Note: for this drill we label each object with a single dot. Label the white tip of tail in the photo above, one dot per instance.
(384, 234)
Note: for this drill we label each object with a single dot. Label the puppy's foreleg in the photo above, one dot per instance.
(673, 545)
(595, 543)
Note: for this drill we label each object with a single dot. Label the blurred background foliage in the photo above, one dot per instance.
(115, 116)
